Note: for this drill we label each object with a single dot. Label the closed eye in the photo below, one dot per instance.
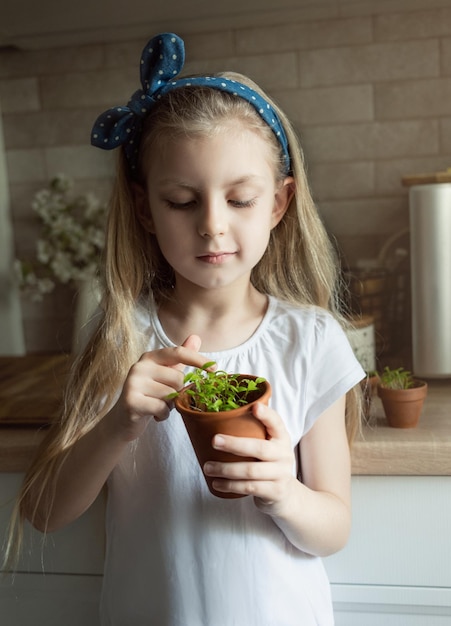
(180, 205)
(238, 204)
(242, 204)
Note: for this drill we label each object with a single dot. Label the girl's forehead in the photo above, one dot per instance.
(226, 129)
(232, 150)
(222, 138)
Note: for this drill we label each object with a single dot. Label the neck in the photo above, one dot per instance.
(223, 318)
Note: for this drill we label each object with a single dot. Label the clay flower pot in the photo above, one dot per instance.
(202, 426)
(403, 407)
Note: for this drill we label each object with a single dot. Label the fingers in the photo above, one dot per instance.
(264, 491)
(146, 388)
(180, 356)
(271, 420)
(177, 356)
(247, 470)
(277, 444)
(269, 477)
(267, 483)
(157, 375)
(193, 342)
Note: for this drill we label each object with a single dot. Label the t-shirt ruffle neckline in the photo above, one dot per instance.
(246, 345)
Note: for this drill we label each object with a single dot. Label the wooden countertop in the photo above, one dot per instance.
(421, 451)
(31, 390)
(30, 394)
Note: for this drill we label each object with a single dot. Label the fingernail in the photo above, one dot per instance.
(208, 467)
(218, 441)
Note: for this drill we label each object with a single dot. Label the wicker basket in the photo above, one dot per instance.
(377, 293)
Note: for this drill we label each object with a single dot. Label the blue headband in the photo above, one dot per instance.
(161, 60)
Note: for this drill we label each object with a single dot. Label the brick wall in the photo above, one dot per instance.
(368, 86)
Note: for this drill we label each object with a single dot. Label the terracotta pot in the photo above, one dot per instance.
(202, 426)
(403, 407)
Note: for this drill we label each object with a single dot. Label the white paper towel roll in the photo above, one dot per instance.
(430, 240)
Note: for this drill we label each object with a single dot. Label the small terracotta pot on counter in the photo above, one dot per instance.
(203, 426)
(403, 407)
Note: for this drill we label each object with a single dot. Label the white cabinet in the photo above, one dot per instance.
(396, 568)
(58, 582)
(50, 600)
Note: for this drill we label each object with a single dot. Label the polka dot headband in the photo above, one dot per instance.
(161, 61)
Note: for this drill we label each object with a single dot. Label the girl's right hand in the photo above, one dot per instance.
(156, 375)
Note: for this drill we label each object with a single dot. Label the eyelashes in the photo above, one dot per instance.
(237, 204)
(179, 205)
(243, 204)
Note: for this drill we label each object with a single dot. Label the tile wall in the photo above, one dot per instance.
(368, 87)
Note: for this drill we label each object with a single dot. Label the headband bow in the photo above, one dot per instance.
(161, 61)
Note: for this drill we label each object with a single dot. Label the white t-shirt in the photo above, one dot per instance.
(179, 556)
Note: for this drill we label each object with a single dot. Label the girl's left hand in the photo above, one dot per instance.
(270, 478)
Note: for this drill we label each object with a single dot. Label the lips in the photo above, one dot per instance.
(216, 258)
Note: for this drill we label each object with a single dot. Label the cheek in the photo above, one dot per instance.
(166, 225)
(255, 239)
(171, 234)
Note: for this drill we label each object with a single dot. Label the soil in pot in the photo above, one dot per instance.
(203, 426)
(403, 407)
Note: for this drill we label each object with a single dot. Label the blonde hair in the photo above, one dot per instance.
(299, 266)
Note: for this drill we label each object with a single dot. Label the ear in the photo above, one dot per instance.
(282, 199)
(142, 207)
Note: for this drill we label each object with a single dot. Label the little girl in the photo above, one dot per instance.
(215, 252)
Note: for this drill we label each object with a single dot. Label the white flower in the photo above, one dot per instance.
(71, 242)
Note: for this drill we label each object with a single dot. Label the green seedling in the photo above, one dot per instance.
(214, 391)
(396, 379)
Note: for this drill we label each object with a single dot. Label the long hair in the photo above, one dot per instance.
(298, 266)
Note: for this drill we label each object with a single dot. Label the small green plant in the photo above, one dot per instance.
(218, 390)
(396, 379)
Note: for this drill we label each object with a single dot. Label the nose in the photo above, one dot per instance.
(212, 219)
